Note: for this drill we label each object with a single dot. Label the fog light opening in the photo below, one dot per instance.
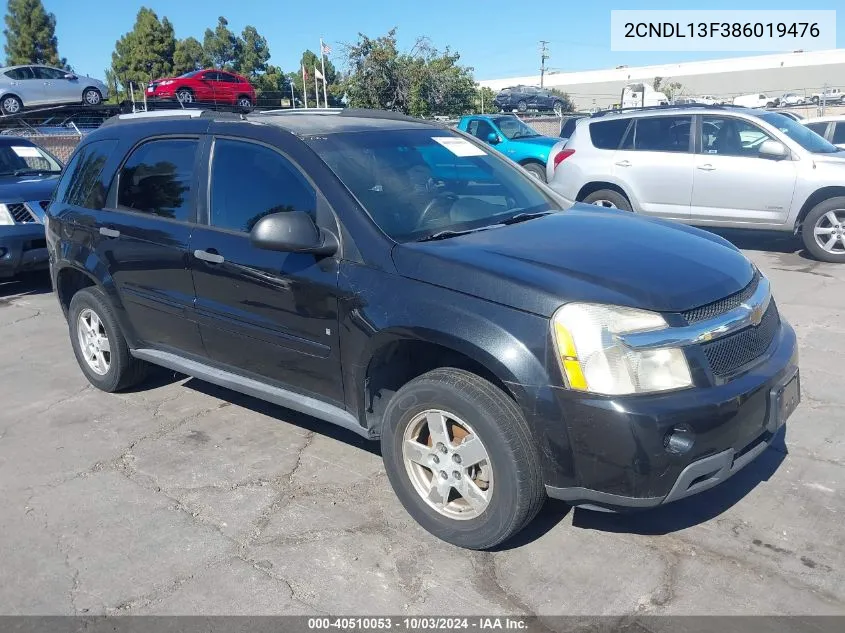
(679, 440)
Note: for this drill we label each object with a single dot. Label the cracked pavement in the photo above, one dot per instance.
(183, 498)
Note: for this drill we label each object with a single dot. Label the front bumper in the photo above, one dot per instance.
(23, 248)
(619, 460)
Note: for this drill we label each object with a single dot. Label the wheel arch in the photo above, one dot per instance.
(12, 93)
(818, 196)
(598, 185)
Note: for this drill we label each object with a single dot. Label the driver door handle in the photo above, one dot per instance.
(211, 258)
(706, 167)
(624, 163)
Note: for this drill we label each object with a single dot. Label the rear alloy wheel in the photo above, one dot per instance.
(245, 103)
(823, 231)
(522, 106)
(183, 95)
(461, 458)
(558, 108)
(98, 344)
(538, 171)
(11, 105)
(609, 199)
(92, 97)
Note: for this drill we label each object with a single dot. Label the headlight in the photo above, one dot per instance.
(594, 359)
(5, 217)
(166, 83)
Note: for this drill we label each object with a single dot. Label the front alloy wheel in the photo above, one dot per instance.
(448, 464)
(823, 230)
(829, 232)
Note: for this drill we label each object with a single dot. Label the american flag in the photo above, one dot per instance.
(327, 50)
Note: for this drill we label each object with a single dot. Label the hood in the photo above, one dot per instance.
(583, 254)
(539, 141)
(27, 188)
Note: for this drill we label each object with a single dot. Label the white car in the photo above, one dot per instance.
(711, 166)
(791, 99)
(830, 127)
(756, 100)
(33, 85)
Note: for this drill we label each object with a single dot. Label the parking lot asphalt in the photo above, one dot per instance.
(182, 498)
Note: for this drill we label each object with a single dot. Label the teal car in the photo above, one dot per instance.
(513, 138)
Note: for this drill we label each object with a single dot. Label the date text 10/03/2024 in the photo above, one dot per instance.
(418, 623)
(721, 29)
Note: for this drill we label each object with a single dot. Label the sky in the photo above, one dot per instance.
(499, 38)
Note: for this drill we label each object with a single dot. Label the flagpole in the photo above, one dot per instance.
(304, 87)
(316, 89)
(323, 66)
(292, 95)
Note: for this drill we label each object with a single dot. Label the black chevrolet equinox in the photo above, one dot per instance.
(404, 281)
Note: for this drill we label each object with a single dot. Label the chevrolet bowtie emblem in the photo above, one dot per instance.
(755, 314)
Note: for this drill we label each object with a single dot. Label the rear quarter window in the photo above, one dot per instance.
(84, 182)
(608, 134)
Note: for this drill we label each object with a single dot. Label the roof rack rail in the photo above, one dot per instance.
(187, 113)
(364, 113)
(679, 106)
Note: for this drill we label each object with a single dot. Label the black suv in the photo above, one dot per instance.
(524, 98)
(404, 281)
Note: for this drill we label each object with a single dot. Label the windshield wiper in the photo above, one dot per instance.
(522, 217)
(446, 234)
(33, 172)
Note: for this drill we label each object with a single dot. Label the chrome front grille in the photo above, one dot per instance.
(717, 308)
(731, 353)
(21, 213)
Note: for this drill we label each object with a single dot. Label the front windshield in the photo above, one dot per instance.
(513, 128)
(416, 183)
(193, 73)
(799, 133)
(19, 157)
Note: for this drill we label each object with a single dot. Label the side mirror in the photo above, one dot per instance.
(774, 150)
(493, 138)
(292, 232)
(70, 76)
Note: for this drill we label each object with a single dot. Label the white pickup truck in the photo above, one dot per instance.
(829, 96)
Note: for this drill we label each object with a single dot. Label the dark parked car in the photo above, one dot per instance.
(28, 175)
(342, 264)
(524, 98)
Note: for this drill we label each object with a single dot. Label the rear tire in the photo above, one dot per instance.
(609, 199)
(245, 103)
(538, 171)
(558, 108)
(185, 96)
(11, 105)
(99, 345)
(826, 222)
(504, 487)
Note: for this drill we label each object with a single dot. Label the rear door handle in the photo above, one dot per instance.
(211, 258)
(624, 163)
(109, 232)
(706, 167)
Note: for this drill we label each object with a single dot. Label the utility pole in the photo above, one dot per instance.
(543, 57)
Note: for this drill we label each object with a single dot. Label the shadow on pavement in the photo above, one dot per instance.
(693, 510)
(28, 284)
(767, 241)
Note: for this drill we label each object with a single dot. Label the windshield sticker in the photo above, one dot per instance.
(459, 146)
(26, 152)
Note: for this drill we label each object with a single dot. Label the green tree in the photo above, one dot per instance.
(253, 53)
(146, 52)
(422, 82)
(272, 86)
(310, 61)
(485, 96)
(31, 35)
(187, 56)
(221, 46)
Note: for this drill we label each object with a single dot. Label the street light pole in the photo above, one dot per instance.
(543, 57)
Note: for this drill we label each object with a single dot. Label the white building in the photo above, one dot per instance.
(800, 72)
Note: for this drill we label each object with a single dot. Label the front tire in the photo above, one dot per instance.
(823, 230)
(245, 104)
(98, 344)
(522, 106)
(609, 199)
(461, 458)
(184, 96)
(558, 108)
(92, 97)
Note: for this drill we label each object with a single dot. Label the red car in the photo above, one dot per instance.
(205, 86)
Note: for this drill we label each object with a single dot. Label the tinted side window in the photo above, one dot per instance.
(662, 134)
(157, 178)
(82, 184)
(42, 72)
(839, 133)
(818, 128)
(231, 79)
(568, 128)
(726, 136)
(480, 129)
(19, 73)
(608, 134)
(249, 181)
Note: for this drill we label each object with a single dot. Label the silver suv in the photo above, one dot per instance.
(716, 166)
